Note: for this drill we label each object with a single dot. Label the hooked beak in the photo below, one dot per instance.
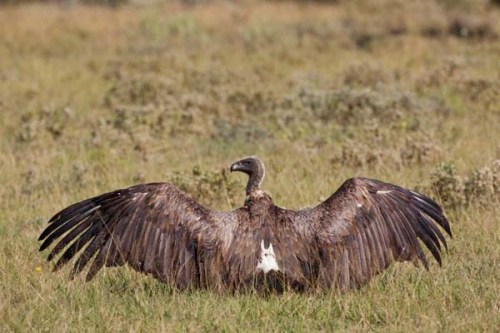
(234, 167)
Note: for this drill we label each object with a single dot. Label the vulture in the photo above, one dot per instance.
(158, 229)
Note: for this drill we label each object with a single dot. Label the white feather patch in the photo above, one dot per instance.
(417, 196)
(93, 209)
(267, 261)
(259, 194)
(383, 192)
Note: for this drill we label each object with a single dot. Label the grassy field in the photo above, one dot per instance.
(93, 99)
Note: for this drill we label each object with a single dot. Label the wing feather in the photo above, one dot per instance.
(98, 261)
(75, 246)
(161, 258)
(366, 247)
(428, 225)
(364, 226)
(152, 250)
(380, 240)
(84, 225)
(155, 228)
(58, 229)
(87, 254)
(428, 242)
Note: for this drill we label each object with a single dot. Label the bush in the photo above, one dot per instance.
(209, 187)
(481, 186)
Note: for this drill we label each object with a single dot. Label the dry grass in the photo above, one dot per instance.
(95, 99)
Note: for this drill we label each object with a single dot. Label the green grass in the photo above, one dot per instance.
(93, 99)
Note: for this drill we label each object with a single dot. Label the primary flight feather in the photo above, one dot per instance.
(159, 230)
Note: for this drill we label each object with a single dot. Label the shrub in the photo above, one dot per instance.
(481, 186)
(209, 187)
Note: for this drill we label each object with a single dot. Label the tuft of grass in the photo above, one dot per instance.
(94, 98)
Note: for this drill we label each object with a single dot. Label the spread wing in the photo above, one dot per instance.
(155, 228)
(357, 232)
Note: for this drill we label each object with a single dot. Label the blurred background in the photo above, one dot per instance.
(98, 95)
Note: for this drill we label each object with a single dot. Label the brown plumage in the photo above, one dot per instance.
(341, 243)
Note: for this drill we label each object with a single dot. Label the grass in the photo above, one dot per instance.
(94, 99)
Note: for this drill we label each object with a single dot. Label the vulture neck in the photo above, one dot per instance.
(258, 203)
(255, 179)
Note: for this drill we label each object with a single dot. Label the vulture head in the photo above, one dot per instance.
(255, 170)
